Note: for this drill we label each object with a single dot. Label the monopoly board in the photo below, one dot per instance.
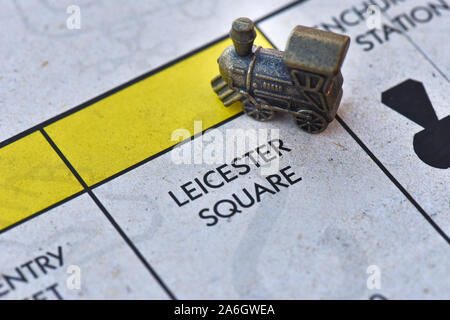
(115, 172)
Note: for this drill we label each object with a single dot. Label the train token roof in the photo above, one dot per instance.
(315, 50)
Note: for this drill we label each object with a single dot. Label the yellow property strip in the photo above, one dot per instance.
(111, 135)
(137, 122)
(32, 178)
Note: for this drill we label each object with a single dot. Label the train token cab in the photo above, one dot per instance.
(304, 80)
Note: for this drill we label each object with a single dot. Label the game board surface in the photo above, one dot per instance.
(92, 192)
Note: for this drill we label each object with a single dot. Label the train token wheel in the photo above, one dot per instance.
(310, 121)
(260, 112)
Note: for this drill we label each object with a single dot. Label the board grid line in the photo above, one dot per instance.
(40, 127)
(118, 174)
(110, 218)
(86, 189)
(393, 179)
(421, 51)
(139, 78)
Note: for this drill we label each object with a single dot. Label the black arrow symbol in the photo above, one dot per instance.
(432, 145)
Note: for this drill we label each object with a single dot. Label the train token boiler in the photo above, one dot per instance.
(304, 80)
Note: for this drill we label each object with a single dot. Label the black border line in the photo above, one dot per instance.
(108, 93)
(34, 215)
(278, 11)
(219, 124)
(127, 84)
(108, 215)
(156, 155)
(384, 169)
(40, 127)
(86, 189)
(265, 36)
(86, 104)
(393, 180)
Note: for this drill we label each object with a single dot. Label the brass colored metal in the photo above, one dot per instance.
(304, 80)
(243, 34)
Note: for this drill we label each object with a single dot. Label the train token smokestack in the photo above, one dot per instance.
(243, 34)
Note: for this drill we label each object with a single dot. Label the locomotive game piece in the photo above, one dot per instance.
(304, 80)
